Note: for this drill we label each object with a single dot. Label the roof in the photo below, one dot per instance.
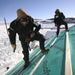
(55, 62)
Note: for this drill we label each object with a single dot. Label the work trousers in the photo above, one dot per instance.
(58, 27)
(25, 44)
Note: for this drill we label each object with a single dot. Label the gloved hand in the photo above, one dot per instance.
(14, 47)
(32, 35)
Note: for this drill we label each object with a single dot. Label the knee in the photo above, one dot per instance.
(42, 38)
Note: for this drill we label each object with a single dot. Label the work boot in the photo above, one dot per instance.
(26, 64)
(26, 59)
(67, 30)
(44, 50)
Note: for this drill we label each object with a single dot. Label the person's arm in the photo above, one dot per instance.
(62, 16)
(55, 20)
(31, 22)
(37, 28)
(12, 35)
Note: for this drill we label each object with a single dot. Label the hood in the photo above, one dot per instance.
(22, 14)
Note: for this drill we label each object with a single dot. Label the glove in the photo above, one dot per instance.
(32, 35)
(14, 47)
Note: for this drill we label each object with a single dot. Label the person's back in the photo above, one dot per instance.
(24, 26)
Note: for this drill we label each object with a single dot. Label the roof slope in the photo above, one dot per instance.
(52, 63)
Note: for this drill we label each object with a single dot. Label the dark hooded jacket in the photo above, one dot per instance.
(23, 32)
(59, 19)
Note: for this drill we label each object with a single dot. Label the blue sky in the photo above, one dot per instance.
(38, 9)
